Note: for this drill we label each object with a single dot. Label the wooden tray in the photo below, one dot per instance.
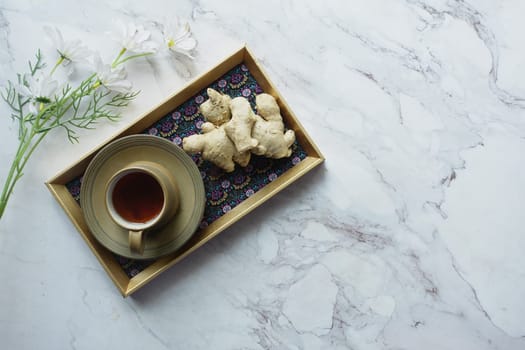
(126, 284)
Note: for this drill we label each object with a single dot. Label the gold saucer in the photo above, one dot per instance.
(113, 157)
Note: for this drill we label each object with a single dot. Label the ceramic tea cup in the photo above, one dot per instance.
(140, 197)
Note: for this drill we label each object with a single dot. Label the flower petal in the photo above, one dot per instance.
(121, 86)
(187, 44)
(178, 38)
(56, 37)
(133, 38)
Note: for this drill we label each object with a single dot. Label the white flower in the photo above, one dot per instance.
(69, 51)
(111, 78)
(178, 38)
(134, 38)
(40, 89)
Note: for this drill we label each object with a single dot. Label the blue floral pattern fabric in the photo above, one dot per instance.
(224, 191)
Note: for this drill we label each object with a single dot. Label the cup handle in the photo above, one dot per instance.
(136, 241)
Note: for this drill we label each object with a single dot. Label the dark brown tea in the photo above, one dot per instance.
(138, 197)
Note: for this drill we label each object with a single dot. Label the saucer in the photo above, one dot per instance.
(113, 157)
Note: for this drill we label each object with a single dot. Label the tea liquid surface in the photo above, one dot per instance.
(138, 197)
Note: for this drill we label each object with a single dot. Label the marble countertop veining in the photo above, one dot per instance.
(409, 236)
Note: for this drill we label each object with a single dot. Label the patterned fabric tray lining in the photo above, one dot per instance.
(224, 190)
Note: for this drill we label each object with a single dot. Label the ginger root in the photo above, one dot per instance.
(239, 128)
(216, 147)
(268, 130)
(216, 109)
(233, 131)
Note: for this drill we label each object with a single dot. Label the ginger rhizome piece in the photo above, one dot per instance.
(239, 128)
(268, 130)
(216, 109)
(233, 131)
(216, 147)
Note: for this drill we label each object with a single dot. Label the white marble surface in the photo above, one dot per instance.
(410, 236)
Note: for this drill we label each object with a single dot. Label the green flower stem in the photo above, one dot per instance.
(26, 147)
(73, 95)
(11, 180)
(59, 62)
(65, 110)
(117, 62)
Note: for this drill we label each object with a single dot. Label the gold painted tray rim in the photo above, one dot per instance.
(126, 285)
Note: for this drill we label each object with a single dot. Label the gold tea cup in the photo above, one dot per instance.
(140, 197)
